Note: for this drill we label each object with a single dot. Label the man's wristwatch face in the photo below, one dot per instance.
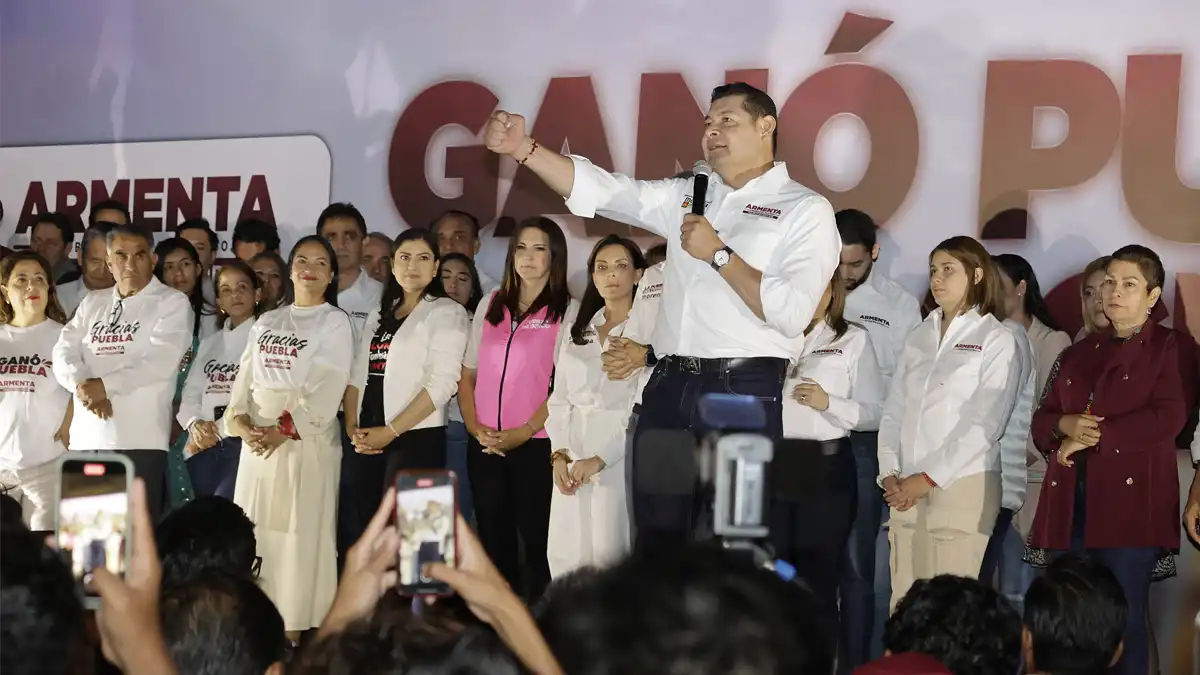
(721, 258)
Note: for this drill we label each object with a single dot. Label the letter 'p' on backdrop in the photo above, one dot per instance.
(1056, 130)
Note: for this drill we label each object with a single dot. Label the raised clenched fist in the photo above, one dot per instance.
(504, 133)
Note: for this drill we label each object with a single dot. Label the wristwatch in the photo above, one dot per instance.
(651, 358)
(721, 258)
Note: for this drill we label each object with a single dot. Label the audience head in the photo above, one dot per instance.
(614, 270)
(688, 609)
(457, 232)
(741, 129)
(860, 249)
(27, 291)
(202, 238)
(1133, 284)
(218, 623)
(11, 513)
(238, 292)
(343, 226)
(273, 278)
(313, 270)
(52, 236)
(962, 277)
(93, 257)
(377, 251)
(1022, 294)
(209, 533)
(1075, 618)
(963, 623)
(41, 616)
(460, 280)
(537, 257)
(414, 271)
(656, 254)
(253, 236)
(131, 257)
(1091, 293)
(109, 211)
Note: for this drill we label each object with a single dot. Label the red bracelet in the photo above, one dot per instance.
(287, 426)
(928, 480)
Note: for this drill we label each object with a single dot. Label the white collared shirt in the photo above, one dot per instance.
(209, 384)
(779, 227)
(486, 283)
(643, 316)
(949, 403)
(70, 295)
(889, 313)
(845, 368)
(360, 300)
(1014, 474)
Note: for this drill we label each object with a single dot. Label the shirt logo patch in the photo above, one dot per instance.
(762, 211)
(538, 323)
(875, 320)
(687, 203)
(833, 351)
(964, 347)
(652, 291)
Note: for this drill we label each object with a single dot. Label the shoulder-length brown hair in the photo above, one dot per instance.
(835, 315)
(987, 295)
(554, 297)
(54, 308)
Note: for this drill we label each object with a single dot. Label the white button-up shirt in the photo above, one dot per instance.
(889, 313)
(845, 368)
(950, 401)
(773, 223)
(362, 298)
(1014, 474)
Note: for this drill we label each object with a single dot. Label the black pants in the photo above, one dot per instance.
(418, 449)
(810, 527)
(669, 404)
(512, 499)
(360, 490)
(151, 467)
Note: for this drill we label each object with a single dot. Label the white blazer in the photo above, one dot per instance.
(426, 354)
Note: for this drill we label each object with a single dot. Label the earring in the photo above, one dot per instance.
(1148, 311)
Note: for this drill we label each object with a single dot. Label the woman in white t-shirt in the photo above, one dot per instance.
(35, 412)
(212, 453)
(290, 382)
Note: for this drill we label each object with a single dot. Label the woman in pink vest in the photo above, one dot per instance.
(506, 378)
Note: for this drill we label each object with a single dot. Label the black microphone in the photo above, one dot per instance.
(700, 173)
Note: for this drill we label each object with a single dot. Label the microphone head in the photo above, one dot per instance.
(701, 168)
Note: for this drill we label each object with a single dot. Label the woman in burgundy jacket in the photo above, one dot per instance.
(1107, 424)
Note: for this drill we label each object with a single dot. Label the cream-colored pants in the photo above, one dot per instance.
(34, 488)
(946, 533)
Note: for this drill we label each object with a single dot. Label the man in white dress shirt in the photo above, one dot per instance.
(458, 232)
(889, 313)
(741, 283)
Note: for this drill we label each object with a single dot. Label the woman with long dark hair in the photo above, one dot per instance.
(35, 412)
(408, 363)
(949, 404)
(460, 280)
(212, 453)
(177, 264)
(273, 275)
(588, 415)
(290, 382)
(505, 382)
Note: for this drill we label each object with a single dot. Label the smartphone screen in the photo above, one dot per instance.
(93, 516)
(426, 521)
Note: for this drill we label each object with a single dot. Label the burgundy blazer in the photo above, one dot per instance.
(1132, 475)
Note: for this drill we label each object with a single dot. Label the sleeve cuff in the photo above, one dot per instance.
(583, 198)
(842, 412)
(783, 315)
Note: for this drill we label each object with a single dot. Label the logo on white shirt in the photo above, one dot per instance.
(828, 351)
(964, 347)
(687, 203)
(108, 339)
(280, 350)
(875, 320)
(32, 366)
(652, 291)
(762, 211)
(220, 376)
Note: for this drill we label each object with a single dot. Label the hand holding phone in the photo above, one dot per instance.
(93, 516)
(426, 520)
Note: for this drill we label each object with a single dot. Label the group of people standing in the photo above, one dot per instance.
(299, 388)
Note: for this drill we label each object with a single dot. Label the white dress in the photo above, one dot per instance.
(297, 360)
(588, 417)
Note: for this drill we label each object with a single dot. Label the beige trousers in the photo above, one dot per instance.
(35, 488)
(946, 533)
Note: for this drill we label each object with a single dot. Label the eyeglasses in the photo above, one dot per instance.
(256, 567)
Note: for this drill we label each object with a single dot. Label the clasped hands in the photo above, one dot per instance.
(568, 478)
(262, 440)
(202, 435)
(371, 440)
(904, 493)
(93, 396)
(498, 442)
(1082, 431)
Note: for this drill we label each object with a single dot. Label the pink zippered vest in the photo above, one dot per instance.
(515, 367)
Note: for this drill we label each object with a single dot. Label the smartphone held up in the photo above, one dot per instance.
(92, 530)
(426, 521)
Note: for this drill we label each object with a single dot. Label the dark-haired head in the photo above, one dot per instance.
(238, 292)
(41, 616)
(52, 235)
(178, 265)
(27, 289)
(414, 273)
(537, 257)
(741, 128)
(456, 232)
(860, 248)
(343, 226)
(93, 257)
(460, 280)
(109, 211)
(209, 533)
(1133, 285)
(656, 254)
(614, 267)
(1022, 293)
(963, 623)
(1075, 617)
(1091, 295)
(962, 277)
(313, 269)
(253, 236)
(274, 278)
(202, 238)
